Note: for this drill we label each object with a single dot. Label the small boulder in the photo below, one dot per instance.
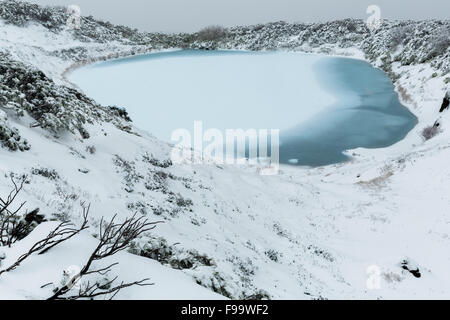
(414, 270)
(446, 102)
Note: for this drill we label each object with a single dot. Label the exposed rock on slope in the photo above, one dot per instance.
(445, 102)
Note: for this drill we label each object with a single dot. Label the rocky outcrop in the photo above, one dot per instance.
(445, 102)
(9, 136)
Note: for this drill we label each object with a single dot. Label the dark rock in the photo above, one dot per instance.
(34, 216)
(446, 102)
(414, 271)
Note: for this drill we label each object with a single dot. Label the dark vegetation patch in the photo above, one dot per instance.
(158, 249)
(55, 108)
(45, 172)
(431, 131)
(10, 137)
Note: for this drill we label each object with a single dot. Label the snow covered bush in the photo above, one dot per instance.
(156, 162)
(440, 42)
(212, 33)
(400, 34)
(158, 249)
(119, 112)
(47, 173)
(54, 18)
(273, 255)
(14, 225)
(54, 107)
(91, 149)
(130, 175)
(113, 238)
(21, 13)
(180, 201)
(431, 131)
(10, 137)
(422, 41)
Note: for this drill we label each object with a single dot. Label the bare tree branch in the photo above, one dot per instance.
(113, 237)
(9, 219)
(95, 290)
(64, 231)
(69, 232)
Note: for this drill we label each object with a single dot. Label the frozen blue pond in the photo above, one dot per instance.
(322, 105)
(367, 114)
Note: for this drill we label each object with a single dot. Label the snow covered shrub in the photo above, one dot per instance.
(258, 295)
(91, 149)
(138, 206)
(120, 112)
(174, 205)
(439, 42)
(280, 231)
(217, 283)
(212, 33)
(54, 108)
(113, 237)
(321, 253)
(157, 181)
(244, 266)
(155, 162)
(93, 282)
(54, 18)
(431, 131)
(26, 224)
(273, 255)
(47, 173)
(158, 249)
(400, 35)
(180, 201)
(189, 260)
(128, 168)
(21, 13)
(352, 26)
(10, 137)
(14, 225)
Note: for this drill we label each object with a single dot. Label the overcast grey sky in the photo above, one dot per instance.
(191, 15)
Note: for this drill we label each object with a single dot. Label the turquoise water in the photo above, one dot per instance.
(367, 114)
(322, 105)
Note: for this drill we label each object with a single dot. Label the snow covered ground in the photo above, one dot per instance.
(307, 233)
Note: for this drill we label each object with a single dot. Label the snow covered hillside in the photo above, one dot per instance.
(226, 232)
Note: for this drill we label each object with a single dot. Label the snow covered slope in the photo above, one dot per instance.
(307, 233)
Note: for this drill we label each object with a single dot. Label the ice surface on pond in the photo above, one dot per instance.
(166, 91)
(320, 104)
